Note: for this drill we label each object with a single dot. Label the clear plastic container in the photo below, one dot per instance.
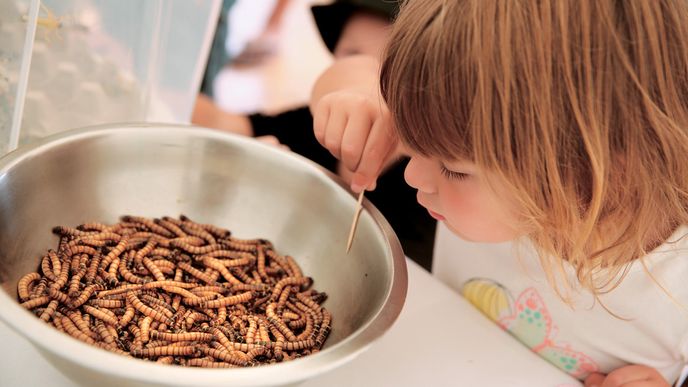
(72, 63)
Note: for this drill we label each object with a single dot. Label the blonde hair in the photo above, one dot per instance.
(581, 106)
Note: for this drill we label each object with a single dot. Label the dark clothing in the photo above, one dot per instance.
(332, 18)
(393, 197)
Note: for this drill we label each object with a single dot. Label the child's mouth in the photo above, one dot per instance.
(436, 215)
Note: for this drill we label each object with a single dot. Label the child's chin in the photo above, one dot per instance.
(480, 238)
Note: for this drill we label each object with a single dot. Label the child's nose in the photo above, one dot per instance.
(419, 175)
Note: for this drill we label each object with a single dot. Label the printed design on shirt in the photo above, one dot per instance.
(529, 321)
(490, 297)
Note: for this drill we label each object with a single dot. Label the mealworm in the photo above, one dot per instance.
(150, 245)
(115, 252)
(289, 281)
(49, 311)
(325, 327)
(212, 274)
(279, 324)
(73, 331)
(164, 351)
(298, 345)
(88, 241)
(219, 232)
(217, 265)
(69, 231)
(182, 292)
(59, 296)
(195, 272)
(158, 304)
(297, 324)
(93, 268)
(308, 301)
(170, 226)
(187, 336)
(23, 285)
(221, 316)
(102, 314)
(279, 342)
(194, 249)
(47, 268)
(153, 269)
(73, 250)
(151, 225)
(227, 301)
(258, 351)
(208, 363)
(109, 304)
(195, 230)
(279, 261)
(226, 356)
(144, 326)
(283, 297)
(263, 330)
(57, 321)
(164, 265)
(93, 226)
(84, 296)
(243, 277)
(129, 314)
(104, 332)
(111, 275)
(80, 323)
(238, 246)
(290, 316)
(233, 256)
(127, 274)
(252, 327)
(307, 330)
(36, 302)
(146, 310)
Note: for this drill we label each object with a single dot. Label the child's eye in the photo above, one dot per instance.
(453, 175)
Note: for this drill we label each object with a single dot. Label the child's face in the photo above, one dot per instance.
(456, 192)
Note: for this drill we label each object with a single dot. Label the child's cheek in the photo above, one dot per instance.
(475, 217)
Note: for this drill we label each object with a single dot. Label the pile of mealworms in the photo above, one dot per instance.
(177, 292)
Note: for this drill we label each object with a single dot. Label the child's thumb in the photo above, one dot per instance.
(360, 182)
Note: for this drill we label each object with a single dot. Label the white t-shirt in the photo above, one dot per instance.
(515, 294)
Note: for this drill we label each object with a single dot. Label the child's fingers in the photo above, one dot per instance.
(334, 131)
(354, 139)
(320, 117)
(594, 379)
(379, 147)
(632, 375)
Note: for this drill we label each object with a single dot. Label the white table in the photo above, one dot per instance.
(438, 340)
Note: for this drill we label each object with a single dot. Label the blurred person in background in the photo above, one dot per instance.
(355, 31)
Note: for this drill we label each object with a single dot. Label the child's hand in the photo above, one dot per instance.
(633, 375)
(356, 128)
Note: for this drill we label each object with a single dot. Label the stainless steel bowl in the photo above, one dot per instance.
(101, 173)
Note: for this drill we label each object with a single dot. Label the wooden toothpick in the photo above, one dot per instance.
(355, 222)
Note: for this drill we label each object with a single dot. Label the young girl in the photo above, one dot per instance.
(562, 125)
